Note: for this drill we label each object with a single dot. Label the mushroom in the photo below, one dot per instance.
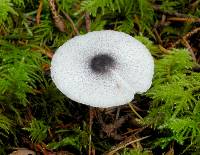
(102, 68)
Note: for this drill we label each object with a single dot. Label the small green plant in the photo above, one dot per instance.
(77, 138)
(175, 100)
(20, 68)
(5, 127)
(38, 130)
(6, 7)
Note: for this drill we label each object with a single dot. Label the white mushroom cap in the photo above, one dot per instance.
(102, 68)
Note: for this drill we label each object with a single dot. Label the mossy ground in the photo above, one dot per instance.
(35, 115)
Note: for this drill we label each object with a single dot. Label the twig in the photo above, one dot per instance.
(36, 91)
(188, 20)
(134, 131)
(49, 54)
(188, 35)
(187, 45)
(58, 20)
(194, 4)
(91, 150)
(157, 8)
(164, 50)
(184, 41)
(87, 22)
(176, 43)
(39, 10)
(71, 22)
(135, 111)
(124, 144)
(157, 36)
(46, 50)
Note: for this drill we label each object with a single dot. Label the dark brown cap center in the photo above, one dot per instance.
(102, 63)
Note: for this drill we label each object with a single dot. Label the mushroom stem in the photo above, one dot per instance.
(91, 113)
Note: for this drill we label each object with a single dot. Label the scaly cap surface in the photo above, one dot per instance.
(102, 68)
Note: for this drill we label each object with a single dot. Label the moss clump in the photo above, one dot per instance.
(30, 32)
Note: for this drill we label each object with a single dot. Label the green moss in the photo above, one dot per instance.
(29, 99)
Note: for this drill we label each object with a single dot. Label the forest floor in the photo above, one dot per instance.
(36, 118)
